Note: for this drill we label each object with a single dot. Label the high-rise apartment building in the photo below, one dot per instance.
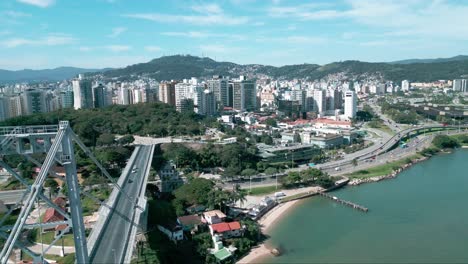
(207, 103)
(220, 87)
(99, 96)
(350, 106)
(405, 85)
(4, 104)
(82, 94)
(460, 85)
(244, 95)
(167, 92)
(33, 101)
(66, 99)
(320, 101)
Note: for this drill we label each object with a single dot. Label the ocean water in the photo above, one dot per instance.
(419, 217)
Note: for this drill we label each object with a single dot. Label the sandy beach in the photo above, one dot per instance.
(266, 222)
(269, 219)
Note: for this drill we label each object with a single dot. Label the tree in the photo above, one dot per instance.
(239, 194)
(248, 172)
(127, 139)
(354, 162)
(194, 192)
(271, 171)
(271, 122)
(105, 139)
(444, 141)
(53, 186)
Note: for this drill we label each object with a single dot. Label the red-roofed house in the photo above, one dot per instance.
(52, 215)
(226, 230)
(60, 201)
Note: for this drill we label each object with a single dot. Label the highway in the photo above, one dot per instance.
(112, 242)
(11, 197)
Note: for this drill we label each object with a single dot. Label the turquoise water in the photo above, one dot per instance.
(419, 217)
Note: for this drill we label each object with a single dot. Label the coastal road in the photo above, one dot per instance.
(112, 244)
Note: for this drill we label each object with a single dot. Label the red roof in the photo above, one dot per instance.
(60, 201)
(224, 227)
(52, 215)
(61, 227)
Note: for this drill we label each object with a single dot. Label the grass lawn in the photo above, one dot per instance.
(46, 256)
(383, 169)
(48, 237)
(263, 190)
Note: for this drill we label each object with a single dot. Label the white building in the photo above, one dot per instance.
(319, 101)
(405, 85)
(350, 104)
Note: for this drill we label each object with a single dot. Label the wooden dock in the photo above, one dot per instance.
(347, 203)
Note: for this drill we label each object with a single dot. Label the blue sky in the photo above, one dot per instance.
(114, 33)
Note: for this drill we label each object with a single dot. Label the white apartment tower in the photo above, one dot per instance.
(350, 104)
(405, 85)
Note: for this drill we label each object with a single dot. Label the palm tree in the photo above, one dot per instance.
(354, 162)
(240, 195)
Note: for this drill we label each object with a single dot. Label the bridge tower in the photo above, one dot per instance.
(58, 142)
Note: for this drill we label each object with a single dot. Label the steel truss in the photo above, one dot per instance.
(58, 143)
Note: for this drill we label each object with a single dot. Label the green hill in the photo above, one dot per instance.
(186, 66)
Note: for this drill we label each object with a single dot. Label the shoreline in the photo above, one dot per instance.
(266, 222)
(278, 212)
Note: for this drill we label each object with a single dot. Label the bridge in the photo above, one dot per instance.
(121, 216)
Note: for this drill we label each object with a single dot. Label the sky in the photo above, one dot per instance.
(38, 34)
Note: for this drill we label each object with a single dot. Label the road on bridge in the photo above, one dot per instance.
(112, 244)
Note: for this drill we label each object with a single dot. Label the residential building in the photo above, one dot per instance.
(82, 94)
(125, 96)
(99, 96)
(34, 101)
(320, 101)
(190, 223)
(219, 86)
(172, 230)
(405, 85)
(4, 108)
(350, 107)
(207, 103)
(66, 99)
(214, 217)
(167, 92)
(460, 85)
(244, 95)
(226, 230)
(168, 178)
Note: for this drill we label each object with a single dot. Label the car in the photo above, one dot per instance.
(133, 171)
(279, 194)
(337, 168)
(130, 180)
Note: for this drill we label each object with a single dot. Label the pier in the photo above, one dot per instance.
(347, 203)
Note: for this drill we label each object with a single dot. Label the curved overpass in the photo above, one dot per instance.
(377, 150)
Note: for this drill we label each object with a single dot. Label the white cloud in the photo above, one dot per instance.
(207, 19)
(39, 3)
(207, 9)
(153, 48)
(16, 14)
(304, 40)
(201, 34)
(117, 31)
(118, 48)
(85, 48)
(417, 18)
(50, 40)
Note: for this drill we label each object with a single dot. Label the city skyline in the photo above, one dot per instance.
(37, 34)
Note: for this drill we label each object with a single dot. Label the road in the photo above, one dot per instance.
(11, 197)
(112, 243)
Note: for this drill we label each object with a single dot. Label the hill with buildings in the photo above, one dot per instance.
(27, 75)
(185, 66)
